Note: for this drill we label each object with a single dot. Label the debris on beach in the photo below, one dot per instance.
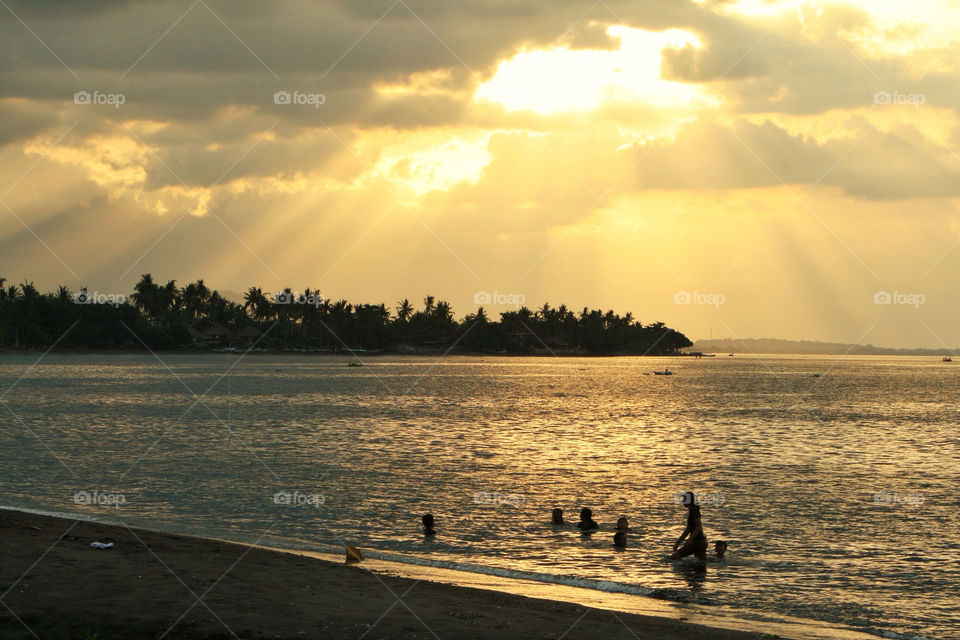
(353, 554)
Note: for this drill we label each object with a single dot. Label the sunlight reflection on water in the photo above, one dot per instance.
(836, 494)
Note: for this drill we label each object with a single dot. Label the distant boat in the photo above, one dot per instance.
(730, 354)
(665, 372)
(947, 359)
(354, 364)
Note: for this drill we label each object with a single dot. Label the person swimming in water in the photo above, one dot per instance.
(620, 539)
(623, 525)
(720, 547)
(427, 521)
(697, 543)
(586, 520)
(557, 516)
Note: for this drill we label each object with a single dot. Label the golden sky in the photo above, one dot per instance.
(778, 164)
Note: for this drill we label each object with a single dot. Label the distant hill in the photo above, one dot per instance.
(806, 347)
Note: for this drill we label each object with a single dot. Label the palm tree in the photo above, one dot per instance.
(443, 311)
(257, 304)
(203, 292)
(170, 301)
(404, 310)
(146, 296)
(32, 319)
(29, 290)
(191, 302)
(218, 308)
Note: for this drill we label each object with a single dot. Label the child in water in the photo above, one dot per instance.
(557, 516)
(720, 547)
(427, 521)
(620, 539)
(623, 525)
(586, 520)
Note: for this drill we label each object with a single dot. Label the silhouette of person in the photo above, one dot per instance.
(620, 539)
(623, 525)
(586, 520)
(697, 543)
(720, 547)
(557, 516)
(427, 521)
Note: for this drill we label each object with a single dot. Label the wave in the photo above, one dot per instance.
(608, 586)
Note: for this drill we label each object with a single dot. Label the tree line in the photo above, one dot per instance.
(167, 316)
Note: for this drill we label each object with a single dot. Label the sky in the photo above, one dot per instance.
(733, 168)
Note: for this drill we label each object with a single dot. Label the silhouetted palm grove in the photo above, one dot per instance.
(166, 316)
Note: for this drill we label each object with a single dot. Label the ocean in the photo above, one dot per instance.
(834, 480)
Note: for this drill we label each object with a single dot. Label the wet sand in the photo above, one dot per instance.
(154, 585)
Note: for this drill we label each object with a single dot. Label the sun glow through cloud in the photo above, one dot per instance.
(424, 165)
(559, 79)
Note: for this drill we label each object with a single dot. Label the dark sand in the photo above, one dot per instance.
(53, 585)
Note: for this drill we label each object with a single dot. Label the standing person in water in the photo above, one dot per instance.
(557, 516)
(586, 520)
(697, 543)
(427, 521)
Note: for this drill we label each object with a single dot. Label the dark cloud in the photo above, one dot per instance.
(797, 64)
(23, 119)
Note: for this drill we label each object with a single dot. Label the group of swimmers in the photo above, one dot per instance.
(696, 540)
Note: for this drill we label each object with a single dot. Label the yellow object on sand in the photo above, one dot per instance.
(353, 554)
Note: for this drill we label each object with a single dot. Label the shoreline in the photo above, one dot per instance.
(326, 354)
(438, 353)
(56, 586)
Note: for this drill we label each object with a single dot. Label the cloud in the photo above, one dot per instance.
(23, 119)
(402, 180)
(896, 164)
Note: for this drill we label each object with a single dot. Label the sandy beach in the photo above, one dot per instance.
(152, 585)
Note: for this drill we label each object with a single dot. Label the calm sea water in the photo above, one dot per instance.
(837, 494)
